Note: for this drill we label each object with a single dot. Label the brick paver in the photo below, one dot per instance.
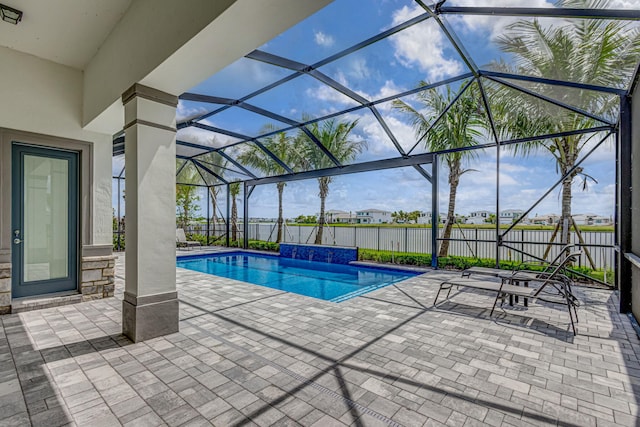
(254, 356)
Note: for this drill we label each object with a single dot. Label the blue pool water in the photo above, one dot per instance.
(331, 282)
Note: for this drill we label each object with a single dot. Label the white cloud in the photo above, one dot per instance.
(328, 94)
(379, 143)
(204, 137)
(493, 25)
(184, 112)
(604, 153)
(357, 68)
(422, 45)
(323, 39)
(389, 88)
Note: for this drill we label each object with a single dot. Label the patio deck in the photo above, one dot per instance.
(248, 355)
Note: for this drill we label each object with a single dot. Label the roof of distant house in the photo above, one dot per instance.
(373, 211)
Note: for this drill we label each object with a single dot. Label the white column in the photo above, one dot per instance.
(150, 306)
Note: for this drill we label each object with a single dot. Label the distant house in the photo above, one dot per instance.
(333, 215)
(546, 219)
(373, 216)
(582, 219)
(592, 219)
(601, 220)
(508, 216)
(425, 218)
(478, 217)
(344, 218)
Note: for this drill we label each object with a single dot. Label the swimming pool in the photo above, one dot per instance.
(331, 282)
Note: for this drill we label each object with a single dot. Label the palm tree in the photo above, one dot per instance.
(334, 135)
(586, 51)
(459, 127)
(234, 191)
(282, 146)
(186, 195)
(217, 164)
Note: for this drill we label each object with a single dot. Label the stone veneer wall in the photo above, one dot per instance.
(5, 288)
(97, 282)
(97, 277)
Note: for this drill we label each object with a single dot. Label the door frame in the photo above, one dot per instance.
(70, 282)
(86, 192)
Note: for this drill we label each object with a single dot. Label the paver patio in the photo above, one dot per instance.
(249, 355)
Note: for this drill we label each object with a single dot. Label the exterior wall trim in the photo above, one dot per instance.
(146, 92)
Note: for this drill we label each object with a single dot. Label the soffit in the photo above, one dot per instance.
(68, 32)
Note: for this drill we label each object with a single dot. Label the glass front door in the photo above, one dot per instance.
(44, 220)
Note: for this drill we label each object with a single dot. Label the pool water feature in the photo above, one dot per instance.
(330, 282)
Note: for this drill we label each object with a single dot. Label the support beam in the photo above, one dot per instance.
(228, 221)
(435, 222)
(553, 101)
(497, 140)
(453, 38)
(423, 172)
(387, 130)
(208, 215)
(244, 138)
(624, 184)
(236, 164)
(551, 12)
(245, 223)
(242, 171)
(321, 118)
(209, 171)
(150, 305)
(375, 165)
(441, 115)
(615, 91)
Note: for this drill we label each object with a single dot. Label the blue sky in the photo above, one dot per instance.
(388, 67)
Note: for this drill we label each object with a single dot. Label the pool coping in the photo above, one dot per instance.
(413, 269)
(416, 271)
(369, 264)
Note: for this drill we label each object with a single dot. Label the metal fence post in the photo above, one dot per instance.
(406, 239)
(227, 224)
(208, 215)
(476, 244)
(434, 212)
(245, 223)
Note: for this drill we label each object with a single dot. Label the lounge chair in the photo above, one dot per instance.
(499, 272)
(181, 240)
(553, 287)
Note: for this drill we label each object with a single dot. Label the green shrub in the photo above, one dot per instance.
(115, 242)
(264, 246)
(202, 239)
(461, 263)
(258, 245)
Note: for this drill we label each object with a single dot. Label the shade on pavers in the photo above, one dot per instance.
(248, 355)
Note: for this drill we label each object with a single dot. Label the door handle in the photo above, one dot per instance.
(17, 241)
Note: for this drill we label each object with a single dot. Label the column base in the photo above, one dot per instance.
(151, 316)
